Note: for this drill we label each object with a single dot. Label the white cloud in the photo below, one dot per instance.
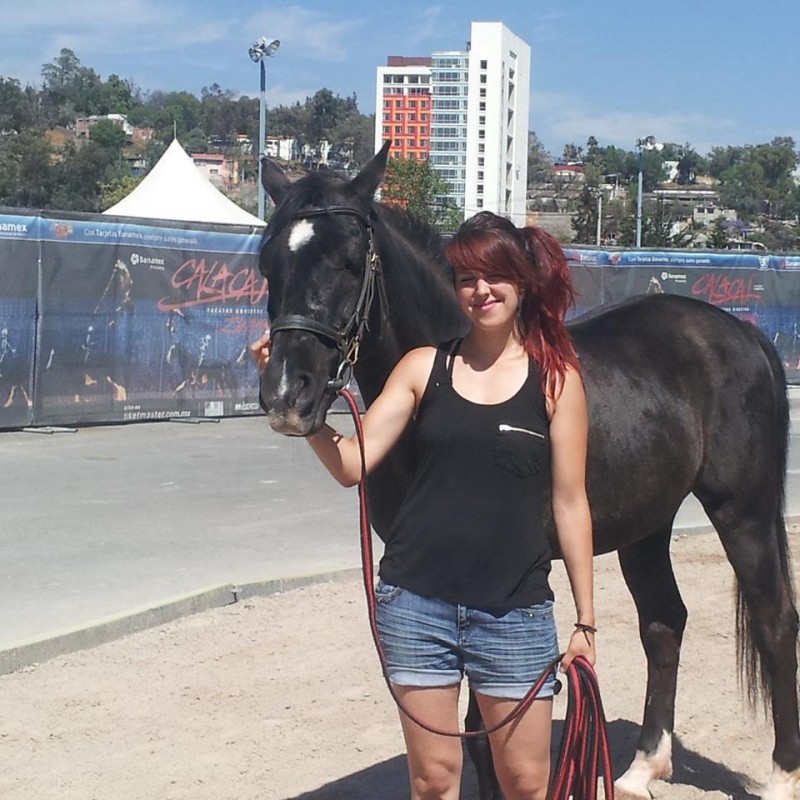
(318, 35)
(562, 118)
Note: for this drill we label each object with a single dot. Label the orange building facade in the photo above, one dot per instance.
(404, 106)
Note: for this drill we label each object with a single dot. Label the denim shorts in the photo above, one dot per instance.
(428, 643)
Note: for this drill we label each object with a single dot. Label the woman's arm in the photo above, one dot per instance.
(569, 426)
(383, 423)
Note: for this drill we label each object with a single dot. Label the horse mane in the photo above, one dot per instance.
(423, 235)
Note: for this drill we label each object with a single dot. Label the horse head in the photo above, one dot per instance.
(318, 256)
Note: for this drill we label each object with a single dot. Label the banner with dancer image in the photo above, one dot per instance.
(146, 322)
(19, 263)
(769, 299)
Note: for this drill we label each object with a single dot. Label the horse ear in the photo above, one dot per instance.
(366, 183)
(274, 180)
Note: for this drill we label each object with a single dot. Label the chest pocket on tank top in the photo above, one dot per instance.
(520, 451)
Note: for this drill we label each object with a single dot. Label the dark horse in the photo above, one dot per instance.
(683, 398)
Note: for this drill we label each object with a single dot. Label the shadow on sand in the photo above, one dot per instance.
(389, 779)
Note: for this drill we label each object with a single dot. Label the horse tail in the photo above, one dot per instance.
(752, 669)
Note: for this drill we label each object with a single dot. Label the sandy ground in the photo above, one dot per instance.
(281, 697)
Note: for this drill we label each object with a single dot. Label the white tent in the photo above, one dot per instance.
(176, 189)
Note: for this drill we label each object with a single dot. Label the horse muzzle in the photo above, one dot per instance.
(296, 403)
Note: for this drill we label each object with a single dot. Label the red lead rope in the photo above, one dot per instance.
(584, 752)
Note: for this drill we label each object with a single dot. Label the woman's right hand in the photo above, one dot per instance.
(260, 351)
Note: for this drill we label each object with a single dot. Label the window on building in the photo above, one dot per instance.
(482, 93)
(413, 78)
(480, 188)
(387, 103)
(481, 147)
(398, 143)
(480, 202)
(398, 128)
(484, 64)
(424, 103)
(483, 79)
(480, 175)
(482, 106)
(423, 142)
(412, 103)
(386, 129)
(481, 120)
(481, 134)
(480, 162)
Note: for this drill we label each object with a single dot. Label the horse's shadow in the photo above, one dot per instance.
(389, 779)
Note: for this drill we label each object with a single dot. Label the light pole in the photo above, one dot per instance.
(648, 143)
(262, 49)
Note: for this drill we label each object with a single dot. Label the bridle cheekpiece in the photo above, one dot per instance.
(347, 340)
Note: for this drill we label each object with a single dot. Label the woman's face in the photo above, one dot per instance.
(489, 301)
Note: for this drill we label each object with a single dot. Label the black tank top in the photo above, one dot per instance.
(470, 529)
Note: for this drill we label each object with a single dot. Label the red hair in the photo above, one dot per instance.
(534, 262)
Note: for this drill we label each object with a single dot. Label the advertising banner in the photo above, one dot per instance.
(767, 298)
(19, 264)
(146, 322)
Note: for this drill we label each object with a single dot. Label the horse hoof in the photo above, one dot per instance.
(624, 790)
(781, 784)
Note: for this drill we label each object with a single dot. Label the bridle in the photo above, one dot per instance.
(347, 340)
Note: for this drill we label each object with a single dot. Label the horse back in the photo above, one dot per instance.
(678, 391)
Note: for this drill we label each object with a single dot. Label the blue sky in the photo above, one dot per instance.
(707, 72)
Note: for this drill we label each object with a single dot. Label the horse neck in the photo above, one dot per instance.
(421, 307)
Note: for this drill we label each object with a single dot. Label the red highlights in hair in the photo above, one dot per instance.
(534, 262)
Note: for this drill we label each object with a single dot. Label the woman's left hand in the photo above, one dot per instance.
(581, 643)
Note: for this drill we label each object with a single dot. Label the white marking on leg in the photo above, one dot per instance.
(645, 768)
(301, 234)
(781, 784)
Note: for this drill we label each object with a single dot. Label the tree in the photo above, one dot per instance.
(16, 112)
(26, 173)
(109, 136)
(116, 189)
(718, 237)
(81, 174)
(416, 187)
(540, 164)
(584, 218)
(690, 164)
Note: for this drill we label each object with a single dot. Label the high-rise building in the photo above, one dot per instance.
(403, 106)
(476, 128)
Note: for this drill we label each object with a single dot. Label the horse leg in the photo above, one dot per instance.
(647, 569)
(480, 753)
(753, 537)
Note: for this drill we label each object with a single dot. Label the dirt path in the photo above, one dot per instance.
(280, 697)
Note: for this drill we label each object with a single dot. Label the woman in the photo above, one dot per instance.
(463, 582)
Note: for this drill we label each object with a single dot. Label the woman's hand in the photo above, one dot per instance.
(581, 643)
(260, 351)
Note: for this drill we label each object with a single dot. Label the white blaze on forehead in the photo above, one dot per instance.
(302, 233)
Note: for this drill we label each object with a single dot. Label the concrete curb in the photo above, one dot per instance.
(106, 629)
(34, 651)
